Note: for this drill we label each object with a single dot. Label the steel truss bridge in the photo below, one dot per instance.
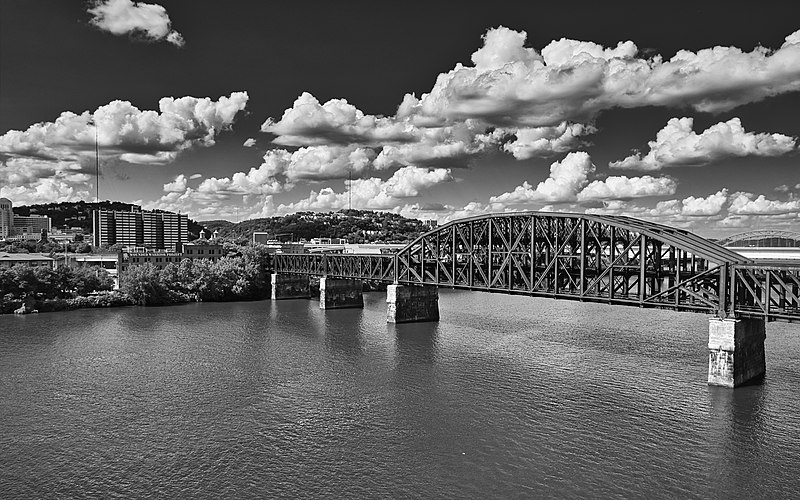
(610, 259)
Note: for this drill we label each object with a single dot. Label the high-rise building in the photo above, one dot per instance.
(6, 218)
(158, 230)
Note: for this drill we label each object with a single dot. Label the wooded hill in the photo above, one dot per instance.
(357, 226)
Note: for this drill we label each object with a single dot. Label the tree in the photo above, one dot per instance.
(142, 283)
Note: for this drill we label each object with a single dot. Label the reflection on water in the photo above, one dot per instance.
(504, 397)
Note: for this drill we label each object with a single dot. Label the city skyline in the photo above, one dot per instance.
(578, 108)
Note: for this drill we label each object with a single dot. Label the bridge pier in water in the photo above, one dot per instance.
(290, 286)
(337, 293)
(408, 303)
(735, 351)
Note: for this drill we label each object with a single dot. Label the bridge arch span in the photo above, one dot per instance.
(612, 259)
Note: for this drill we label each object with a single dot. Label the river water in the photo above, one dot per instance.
(505, 397)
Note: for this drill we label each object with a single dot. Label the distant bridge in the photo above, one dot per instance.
(597, 258)
(763, 238)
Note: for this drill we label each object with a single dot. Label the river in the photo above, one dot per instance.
(505, 397)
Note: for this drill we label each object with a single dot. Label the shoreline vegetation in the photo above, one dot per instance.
(243, 274)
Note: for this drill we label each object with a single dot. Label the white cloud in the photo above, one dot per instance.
(178, 185)
(569, 182)
(708, 206)
(623, 188)
(127, 133)
(677, 144)
(309, 123)
(249, 142)
(44, 191)
(714, 213)
(567, 178)
(544, 141)
(749, 204)
(533, 104)
(372, 193)
(574, 81)
(123, 17)
(63, 150)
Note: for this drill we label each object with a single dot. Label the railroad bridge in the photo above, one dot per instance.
(611, 259)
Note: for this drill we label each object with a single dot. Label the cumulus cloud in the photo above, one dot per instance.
(125, 17)
(124, 131)
(309, 123)
(397, 142)
(749, 204)
(574, 80)
(178, 185)
(569, 182)
(63, 150)
(623, 188)
(704, 206)
(372, 193)
(567, 178)
(714, 212)
(249, 142)
(536, 104)
(533, 142)
(678, 145)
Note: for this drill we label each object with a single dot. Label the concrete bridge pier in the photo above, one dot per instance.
(290, 286)
(335, 293)
(735, 351)
(407, 303)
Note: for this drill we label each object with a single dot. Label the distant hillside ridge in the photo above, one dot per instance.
(356, 226)
(79, 214)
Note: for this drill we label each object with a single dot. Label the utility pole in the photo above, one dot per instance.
(97, 166)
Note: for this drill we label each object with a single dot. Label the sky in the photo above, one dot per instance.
(685, 114)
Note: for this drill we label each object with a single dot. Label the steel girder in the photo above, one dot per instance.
(618, 260)
(378, 267)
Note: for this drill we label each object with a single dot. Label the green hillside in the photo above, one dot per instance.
(357, 226)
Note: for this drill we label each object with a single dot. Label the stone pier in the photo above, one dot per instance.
(336, 293)
(290, 286)
(407, 303)
(735, 351)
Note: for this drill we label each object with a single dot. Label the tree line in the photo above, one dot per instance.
(46, 289)
(241, 275)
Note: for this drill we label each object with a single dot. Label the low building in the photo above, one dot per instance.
(27, 259)
(109, 262)
(198, 249)
(32, 224)
(203, 249)
(141, 256)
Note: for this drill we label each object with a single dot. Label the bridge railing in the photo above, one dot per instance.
(379, 267)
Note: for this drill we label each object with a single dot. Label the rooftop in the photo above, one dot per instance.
(23, 257)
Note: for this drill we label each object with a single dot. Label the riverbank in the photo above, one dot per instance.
(101, 299)
(120, 299)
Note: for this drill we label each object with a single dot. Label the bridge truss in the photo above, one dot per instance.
(612, 259)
